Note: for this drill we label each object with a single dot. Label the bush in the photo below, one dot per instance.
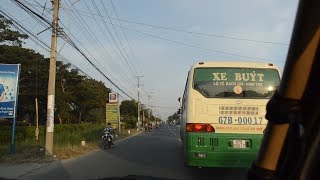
(129, 122)
(64, 134)
(22, 133)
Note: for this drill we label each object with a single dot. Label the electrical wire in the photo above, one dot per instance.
(86, 35)
(197, 33)
(123, 56)
(141, 72)
(129, 63)
(72, 44)
(197, 47)
(32, 12)
(118, 68)
(93, 41)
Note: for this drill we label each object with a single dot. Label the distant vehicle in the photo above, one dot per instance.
(150, 127)
(223, 109)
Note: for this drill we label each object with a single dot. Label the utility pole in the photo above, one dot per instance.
(52, 80)
(180, 108)
(139, 99)
(149, 97)
(142, 114)
(119, 122)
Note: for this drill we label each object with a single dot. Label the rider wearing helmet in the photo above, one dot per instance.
(110, 130)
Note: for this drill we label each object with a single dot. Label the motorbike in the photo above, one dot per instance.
(150, 127)
(107, 139)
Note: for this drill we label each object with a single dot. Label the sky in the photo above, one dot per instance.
(160, 40)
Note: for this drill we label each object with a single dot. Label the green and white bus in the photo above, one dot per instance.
(223, 112)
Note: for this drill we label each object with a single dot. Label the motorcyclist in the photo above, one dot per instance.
(157, 125)
(110, 130)
(145, 127)
(149, 126)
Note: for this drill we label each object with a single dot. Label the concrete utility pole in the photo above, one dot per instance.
(142, 114)
(149, 104)
(119, 121)
(180, 108)
(52, 80)
(139, 99)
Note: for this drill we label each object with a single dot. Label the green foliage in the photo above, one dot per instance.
(33, 79)
(76, 96)
(22, 133)
(73, 134)
(8, 35)
(129, 108)
(175, 116)
(129, 113)
(64, 134)
(96, 115)
(129, 121)
(90, 94)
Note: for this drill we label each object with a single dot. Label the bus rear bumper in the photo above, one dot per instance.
(220, 159)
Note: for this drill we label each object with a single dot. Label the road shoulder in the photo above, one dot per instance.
(20, 170)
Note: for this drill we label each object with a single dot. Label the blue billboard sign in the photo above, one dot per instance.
(9, 78)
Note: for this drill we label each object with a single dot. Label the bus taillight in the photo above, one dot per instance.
(210, 128)
(190, 127)
(198, 127)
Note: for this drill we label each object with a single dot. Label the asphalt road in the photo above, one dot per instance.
(148, 155)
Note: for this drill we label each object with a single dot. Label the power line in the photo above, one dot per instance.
(40, 42)
(109, 54)
(92, 41)
(194, 46)
(74, 46)
(205, 34)
(96, 7)
(78, 41)
(27, 9)
(198, 33)
(37, 40)
(118, 68)
(124, 33)
(165, 107)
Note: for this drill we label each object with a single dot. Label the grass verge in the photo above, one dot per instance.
(67, 144)
(67, 152)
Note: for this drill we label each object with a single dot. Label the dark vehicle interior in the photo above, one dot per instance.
(291, 145)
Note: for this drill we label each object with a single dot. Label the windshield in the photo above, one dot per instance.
(83, 65)
(236, 82)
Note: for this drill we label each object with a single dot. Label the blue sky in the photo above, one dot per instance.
(164, 56)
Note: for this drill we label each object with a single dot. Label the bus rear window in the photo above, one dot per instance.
(236, 82)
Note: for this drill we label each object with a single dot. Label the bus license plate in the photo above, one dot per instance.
(239, 144)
